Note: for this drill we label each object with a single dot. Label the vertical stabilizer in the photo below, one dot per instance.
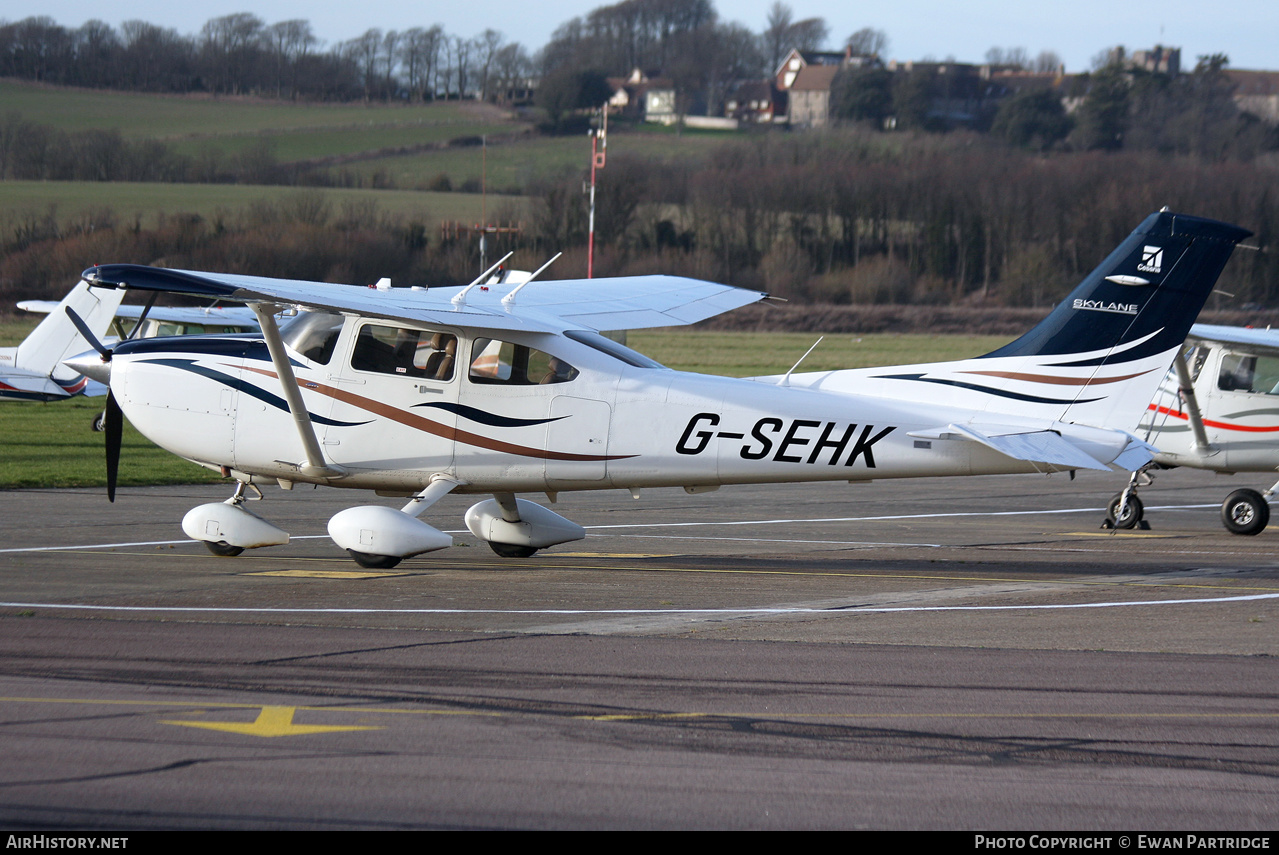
(1098, 357)
(56, 338)
(1115, 335)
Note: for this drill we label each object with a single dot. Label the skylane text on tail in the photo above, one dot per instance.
(480, 390)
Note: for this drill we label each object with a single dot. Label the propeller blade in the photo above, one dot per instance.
(88, 334)
(114, 429)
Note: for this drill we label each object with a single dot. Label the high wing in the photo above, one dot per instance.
(1262, 341)
(635, 302)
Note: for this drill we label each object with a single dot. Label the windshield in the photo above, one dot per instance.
(612, 348)
(313, 335)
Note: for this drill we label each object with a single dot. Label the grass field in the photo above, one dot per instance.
(139, 115)
(373, 138)
(50, 445)
(73, 200)
(750, 354)
(515, 161)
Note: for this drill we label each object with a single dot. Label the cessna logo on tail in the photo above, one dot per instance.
(1152, 259)
(800, 442)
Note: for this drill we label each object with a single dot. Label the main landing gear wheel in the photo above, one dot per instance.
(510, 550)
(1245, 512)
(222, 548)
(1133, 511)
(374, 562)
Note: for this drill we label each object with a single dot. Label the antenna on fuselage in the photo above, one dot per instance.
(509, 299)
(785, 381)
(459, 299)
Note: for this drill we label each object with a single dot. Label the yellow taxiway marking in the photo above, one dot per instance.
(610, 555)
(272, 721)
(277, 720)
(325, 574)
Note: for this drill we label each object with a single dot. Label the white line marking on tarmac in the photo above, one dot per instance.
(684, 525)
(892, 517)
(738, 611)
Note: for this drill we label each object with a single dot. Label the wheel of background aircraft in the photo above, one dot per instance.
(1245, 512)
(1132, 513)
(508, 550)
(374, 562)
(223, 548)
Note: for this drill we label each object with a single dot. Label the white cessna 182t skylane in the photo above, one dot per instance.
(420, 393)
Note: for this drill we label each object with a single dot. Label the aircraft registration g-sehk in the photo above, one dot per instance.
(419, 393)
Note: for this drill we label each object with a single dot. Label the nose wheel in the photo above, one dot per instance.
(370, 561)
(1131, 514)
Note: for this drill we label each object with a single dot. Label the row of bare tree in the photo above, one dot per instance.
(854, 216)
(842, 217)
(242, 54)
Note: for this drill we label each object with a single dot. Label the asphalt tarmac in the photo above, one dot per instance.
(964, 653)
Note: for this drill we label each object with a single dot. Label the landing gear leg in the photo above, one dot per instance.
(511, 513)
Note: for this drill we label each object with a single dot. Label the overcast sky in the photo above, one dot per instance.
(1245, 30)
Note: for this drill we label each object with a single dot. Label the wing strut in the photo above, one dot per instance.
(1187, 389)
(315, 465)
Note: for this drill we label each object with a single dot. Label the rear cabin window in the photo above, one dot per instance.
(502, 362)
(404, 352)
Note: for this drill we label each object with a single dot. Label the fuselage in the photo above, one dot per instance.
(515, 412)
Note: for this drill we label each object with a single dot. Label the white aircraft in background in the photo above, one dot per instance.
(483, 390)
(33, 371)
(1217, 409)
(164, 320)
(148, 321)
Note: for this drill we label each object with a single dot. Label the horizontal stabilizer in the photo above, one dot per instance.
(1040, 446)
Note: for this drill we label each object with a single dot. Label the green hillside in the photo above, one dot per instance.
(76, 201)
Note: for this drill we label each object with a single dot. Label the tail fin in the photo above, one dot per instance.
(56, 338)
(1098, 357)
(1126, 320)
(1146, 294)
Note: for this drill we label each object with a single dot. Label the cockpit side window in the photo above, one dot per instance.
(313, 335)
(1242, 372)
(502, 362)
(404, 352)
